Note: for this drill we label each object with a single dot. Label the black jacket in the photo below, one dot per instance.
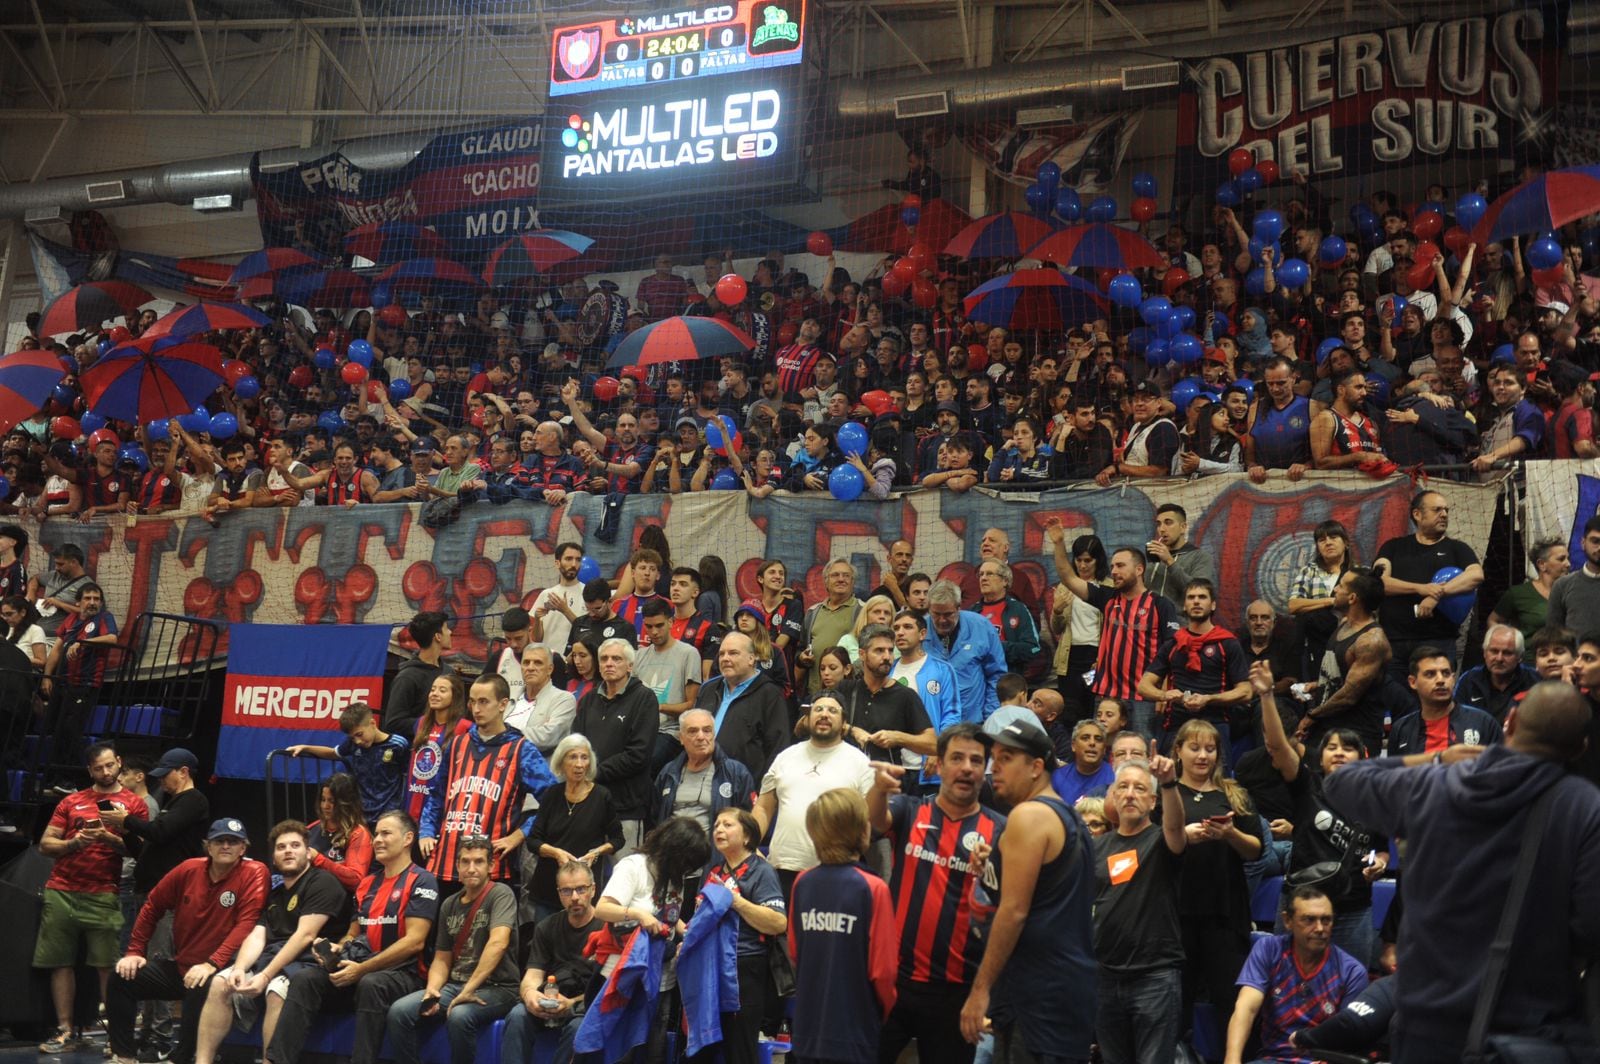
(176, 834)
(407, 700)
(622, 731)
(756, 726)
(731, 785)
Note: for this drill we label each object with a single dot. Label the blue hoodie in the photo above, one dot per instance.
(977, 659)
(1463, 824)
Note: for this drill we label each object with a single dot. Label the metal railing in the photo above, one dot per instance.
(294, 786)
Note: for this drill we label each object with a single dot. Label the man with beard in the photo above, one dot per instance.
(901, 555)
(613, 467)
(885, 719)
(1278, 427)
(1137, 938)
(1344, 436)
(308, 903)
(556, 952)
(940, 847)
(1202, 673)
(551, 624)
(1037, 980)
(796, 365)
(1351, 676)
(1083, 444)
(1441, 730)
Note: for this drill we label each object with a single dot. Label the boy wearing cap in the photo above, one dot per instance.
(377, 759)
(215, 900)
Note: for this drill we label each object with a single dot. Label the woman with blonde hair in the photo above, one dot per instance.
(879, 609)
(769, 658)
(1223, 833)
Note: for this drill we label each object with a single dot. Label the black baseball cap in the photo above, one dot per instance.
(177, 757)
(1146, 388)
(1031, 741)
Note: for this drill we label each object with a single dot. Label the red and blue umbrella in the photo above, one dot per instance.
(206, 317)
(434, 276)
(392, 241)
(1097, 244)
(533, 254)
(26, 380)
(883, 229)
(147, 380)
(680, 339)
(269, 261)
(89, 305)
(1549, 201)
(1042, 298)
(317, 288)
(1008, 235)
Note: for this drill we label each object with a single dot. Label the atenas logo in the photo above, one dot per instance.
(774, 28)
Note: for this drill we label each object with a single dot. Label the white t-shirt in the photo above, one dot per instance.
(31, 637)
(668, 673)
(633, 887)
(557, 629)
(800, 775)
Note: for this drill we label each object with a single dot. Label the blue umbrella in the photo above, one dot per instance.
(147, 380)
(1042, 298)
(26, 380)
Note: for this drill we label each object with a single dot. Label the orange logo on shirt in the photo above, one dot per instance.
(1122, 866)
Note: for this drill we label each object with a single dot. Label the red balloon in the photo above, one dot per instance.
(393, 315)
(877, 401)
(977, 357)
(1240, 160)
(65, 428)
(1551, 277)
(1427, 224)
(353, 373)
(896, 283)
(234, 370)
(1268, 170)
(1176, 277)
(1426, 252)
(731, 289)
(638, 373)
(820, 244)
(789, 329)
(1457, 240)
(1143, 209)
(120, 334)
(921, 257)
(911, 202)
(924, 293)
(1421, 275)
(375, 392)
(904, 269)
(605, 389)
(300, 376)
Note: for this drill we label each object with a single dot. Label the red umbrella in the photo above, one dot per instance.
(1549, 201)
(1097, 244)
(149, 379)
(1007, 235)
(26, 381)
(269, 261)
(532, 254)
(882, 229)
(206, 317)
(390, 241)
(680, 339)
(88, 306)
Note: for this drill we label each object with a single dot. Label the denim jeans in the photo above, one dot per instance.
(1137, 1021)
(463, 1023)
(1142, 717)
(1353, 933)
(523, 1028)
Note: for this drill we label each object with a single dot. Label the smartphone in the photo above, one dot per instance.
(105, 805)
(1225, 818)
(95, 823)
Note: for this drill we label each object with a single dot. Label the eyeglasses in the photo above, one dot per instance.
(475, 840)
(573, 892)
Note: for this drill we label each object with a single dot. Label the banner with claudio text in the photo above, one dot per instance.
(378, 565)
(1477, 86)
(476, 188)
(288, 683)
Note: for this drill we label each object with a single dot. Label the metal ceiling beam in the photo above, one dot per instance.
(180, 72)
(212, 96)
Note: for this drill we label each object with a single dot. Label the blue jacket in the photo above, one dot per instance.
(1468, 724)
(1476, 689)
(620, 1017)
(941, 696)
(708, 966)
(731, 784)
(977, 659)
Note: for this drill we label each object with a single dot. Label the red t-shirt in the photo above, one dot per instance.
(97, 869)
(210, 921)
(1436, 734)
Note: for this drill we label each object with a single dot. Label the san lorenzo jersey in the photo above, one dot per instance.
(932, 887)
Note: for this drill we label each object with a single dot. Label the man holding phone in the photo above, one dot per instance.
(80, 897)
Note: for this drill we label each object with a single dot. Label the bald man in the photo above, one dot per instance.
(1465, 825)
(896, 573)
(1049, 705)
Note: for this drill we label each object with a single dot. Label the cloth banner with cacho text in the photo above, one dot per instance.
(288, 683)
(1475, 86)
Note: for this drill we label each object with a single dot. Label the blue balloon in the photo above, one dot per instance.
(1102, 209)
(1255, 282)
(1219, 324)
(846, 483)
(1268, 225)
(132, 452)
(1246, 385)
(1294, 273)
(1050, 177)
(714, 433)
(1144, 184)
(1544, 253)
(197, 420)
(1453, 608)
(91, 422)
(1154, 309)
(1184, 392)
(1229, 194)
(330, 421)
(1036, 200)
(725, 480)
(1251, 180)
(1186, 349)
(158, 429)
(1069, 205)
(1332, 250)
(381, 295)
(1139, 338)
(588, 570)
(62, 394)
(5, 487)
(1325, 348)
(1400, 305)
(852, 438)
(398, 390)
(224, 426)
(1185, 315)
(247, 387)
(360, 351)
(1504, 353)
(324, 358)
(1125, 291)
(104, 345)
(1378, 389)
(1156, 354)
(910, 216)
(1171, 325)
(1470, 210)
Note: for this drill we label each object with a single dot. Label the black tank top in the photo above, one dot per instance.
(1365, 718)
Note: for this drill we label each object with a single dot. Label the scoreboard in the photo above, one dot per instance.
(642, 105)
(676, 46)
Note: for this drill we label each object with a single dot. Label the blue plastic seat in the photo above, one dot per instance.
(1267, 901)
(1208, 1035)
(1382, 897)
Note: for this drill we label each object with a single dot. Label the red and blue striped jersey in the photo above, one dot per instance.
(1297, 999)
(631, 609)
(932, 888)
(1133, 631)
(383, 905)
